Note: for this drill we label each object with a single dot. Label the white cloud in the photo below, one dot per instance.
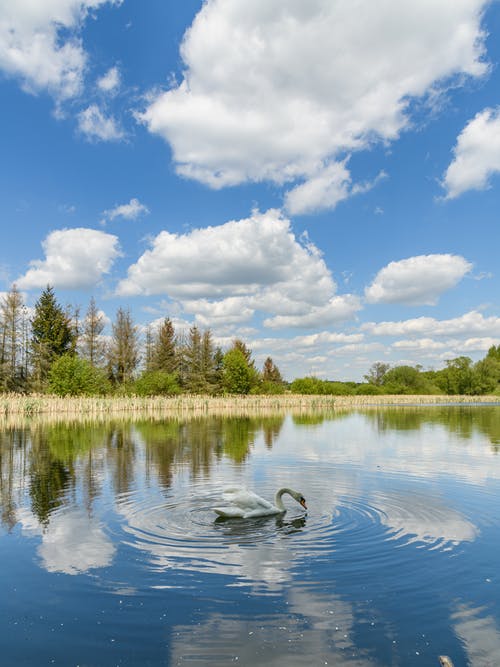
(39, 43)
(417, 280)
(110, 82)
(337, 309)
(130, 211)
(96, 126)
(472, 323)
(282, 91)
(74, 258)
(476, 155)
(240, 267)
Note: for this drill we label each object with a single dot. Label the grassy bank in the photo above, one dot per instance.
(31, 405)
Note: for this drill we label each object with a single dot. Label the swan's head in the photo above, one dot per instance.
(300, 499)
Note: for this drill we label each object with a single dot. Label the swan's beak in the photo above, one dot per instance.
(302, 501)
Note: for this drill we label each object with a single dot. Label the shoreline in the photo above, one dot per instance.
(33, 405)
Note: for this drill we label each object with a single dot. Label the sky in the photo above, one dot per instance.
(319, 179)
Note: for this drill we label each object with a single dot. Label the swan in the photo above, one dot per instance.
(247, 504)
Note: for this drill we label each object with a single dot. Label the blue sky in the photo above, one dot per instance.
(320, 179)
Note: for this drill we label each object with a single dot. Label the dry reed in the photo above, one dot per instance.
(31, 405)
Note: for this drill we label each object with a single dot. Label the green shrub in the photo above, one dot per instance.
(70, 375)
(156, 383)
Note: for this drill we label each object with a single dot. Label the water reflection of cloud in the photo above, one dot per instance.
(72, 543)
(420, 452)
(479, 635)
(424, 519)
(315, 627)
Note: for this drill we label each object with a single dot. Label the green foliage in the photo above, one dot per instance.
(267, 387)
(368, 389)
(156, 383)
(313, 385)
(72, 376)
(237, 374)
(52, 335)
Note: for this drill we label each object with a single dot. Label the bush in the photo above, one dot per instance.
(368, 389)
(156, 383)
(70, 375)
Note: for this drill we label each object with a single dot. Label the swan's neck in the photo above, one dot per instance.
(278, 501)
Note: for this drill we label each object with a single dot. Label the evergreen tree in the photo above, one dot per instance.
(52, 335)
(123, 353)
(270, 372)
(164, 355)
(195, 380)
(92, 344)
(208, 365)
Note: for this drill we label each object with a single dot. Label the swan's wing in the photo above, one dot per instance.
(246, 500)
(229, 512)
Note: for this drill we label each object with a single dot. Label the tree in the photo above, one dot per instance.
(92, 344)
(251, 372)
(457, 377)
(123, 353)
(164, 355)
(377, 373)
(52, 335)
(237, 377)
(12, 324)
(270, 372)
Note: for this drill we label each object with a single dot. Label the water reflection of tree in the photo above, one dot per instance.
(121, 450)
(50, 478)
(66, 462)
(12, 442)
(463, 421)
(196, 442)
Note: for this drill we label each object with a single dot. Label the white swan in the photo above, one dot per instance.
(246, 504)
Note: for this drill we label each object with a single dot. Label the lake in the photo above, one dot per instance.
(111, 553)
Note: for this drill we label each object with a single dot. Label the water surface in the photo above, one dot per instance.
(111, 553)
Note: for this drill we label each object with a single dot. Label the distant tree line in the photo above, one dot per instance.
(459, 376)
(56, 350)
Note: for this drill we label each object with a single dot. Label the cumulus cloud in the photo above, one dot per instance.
(74, 258)
(237, 268)
(476, 155)
(472, 323)
(131, 211)
(110, 82)
(95, 125)
(293, 87)
(39, 43)
(417, 280)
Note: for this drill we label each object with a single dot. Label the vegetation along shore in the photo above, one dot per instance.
(52, 351)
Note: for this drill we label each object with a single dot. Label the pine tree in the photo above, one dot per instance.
(92, 344)
(194, 366)
(164, 356)
(270, 372)
(52, 335)
(208, 368)
(123, 353)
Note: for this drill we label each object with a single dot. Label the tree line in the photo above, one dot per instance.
(56, 350)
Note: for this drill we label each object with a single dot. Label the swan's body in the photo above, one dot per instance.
(246, 504)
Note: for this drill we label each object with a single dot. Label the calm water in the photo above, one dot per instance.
(111, 554)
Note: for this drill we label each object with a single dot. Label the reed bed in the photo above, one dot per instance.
(32, 405)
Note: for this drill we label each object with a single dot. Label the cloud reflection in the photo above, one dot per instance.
(73, 543)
